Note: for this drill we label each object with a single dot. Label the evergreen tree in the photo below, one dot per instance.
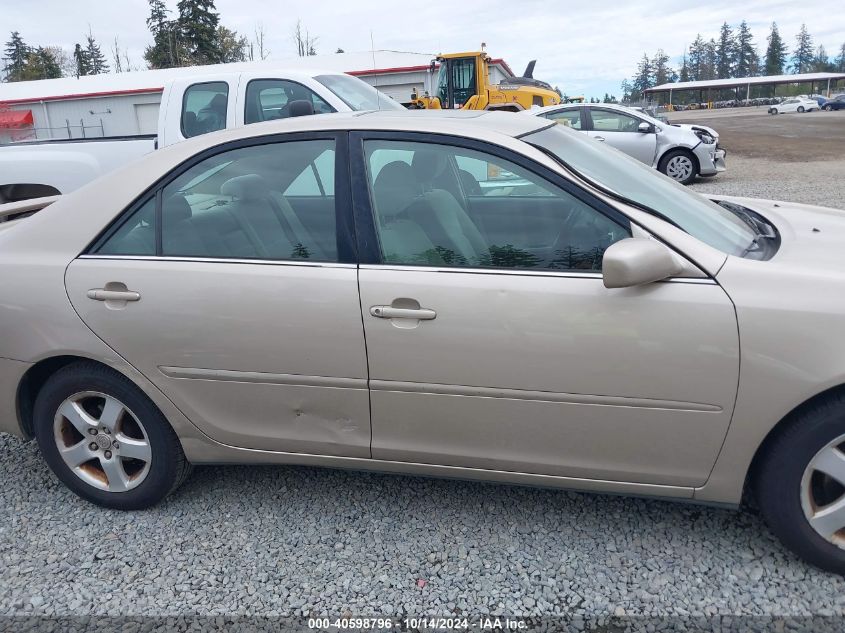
(233, 48)
(821, 61)
(41, 63)
(696, 58)
(97, 64)
(840, 60)
(725, 54)
(643, 79)
(80, 58)
(626, 90)
(17, 56)
(746, 53)
(775, 61)
(166, 47)
(661, 72)
(685, 69)
(198, 24)
(708, 65)
(802, 56)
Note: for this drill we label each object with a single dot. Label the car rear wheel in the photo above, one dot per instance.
(800, 108)
(105, 440)
(679, 165)
(773, 110)
(800, 485)
(828, 108)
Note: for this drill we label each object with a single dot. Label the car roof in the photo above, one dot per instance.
(562, 106)
(482, 125)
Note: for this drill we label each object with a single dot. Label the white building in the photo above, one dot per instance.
(127, 103)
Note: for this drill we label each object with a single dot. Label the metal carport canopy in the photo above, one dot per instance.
(739, 82)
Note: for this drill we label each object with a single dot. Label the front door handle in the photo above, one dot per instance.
(599, 138)
(101, 294)
(389, 312)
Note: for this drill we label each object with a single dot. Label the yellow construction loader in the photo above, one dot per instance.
(463, 82)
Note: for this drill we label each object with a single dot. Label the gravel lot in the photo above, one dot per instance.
(299, 541)
(237, 540)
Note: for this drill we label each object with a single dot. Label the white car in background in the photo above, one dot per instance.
(795, 104)
(680, 151)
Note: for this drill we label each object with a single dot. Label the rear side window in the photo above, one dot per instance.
(569, 118)
(204, 108)
(135, 235)
(269, 99)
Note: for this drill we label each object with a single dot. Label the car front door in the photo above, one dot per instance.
(621, 130)
(233, 288)
(493, 343)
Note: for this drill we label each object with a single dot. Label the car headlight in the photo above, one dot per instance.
(705, 138)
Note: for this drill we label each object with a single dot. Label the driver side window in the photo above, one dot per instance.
(269, 99)
(610, 121)
(439, 205)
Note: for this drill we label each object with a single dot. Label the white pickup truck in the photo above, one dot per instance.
(190, 106)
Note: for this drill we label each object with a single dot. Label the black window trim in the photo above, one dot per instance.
(345, 228)
(298, 83)
(185, 101)
(369, 250)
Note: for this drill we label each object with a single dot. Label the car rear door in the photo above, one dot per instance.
(620, 130)
(238, 299)
(496, 346)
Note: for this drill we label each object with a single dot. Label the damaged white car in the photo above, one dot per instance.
(682, 152)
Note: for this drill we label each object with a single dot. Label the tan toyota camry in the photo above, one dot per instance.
(482, 295)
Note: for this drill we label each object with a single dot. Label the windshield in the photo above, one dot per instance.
(357, 94)
(712, 224)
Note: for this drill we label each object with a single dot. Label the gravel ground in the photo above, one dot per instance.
(818, 182)
(293, 541)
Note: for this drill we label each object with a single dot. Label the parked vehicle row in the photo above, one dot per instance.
(796, 104)
(190, 106)
(679, 151)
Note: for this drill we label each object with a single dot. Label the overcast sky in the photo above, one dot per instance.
(580, 47)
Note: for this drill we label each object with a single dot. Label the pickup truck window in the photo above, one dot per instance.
(204, 108)
(269, 99)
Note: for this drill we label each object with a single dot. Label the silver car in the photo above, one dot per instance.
(680, 151)
(478, 295)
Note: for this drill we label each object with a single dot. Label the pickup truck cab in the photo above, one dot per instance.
(190, 106)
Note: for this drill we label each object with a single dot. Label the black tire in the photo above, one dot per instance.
(666, 161)
(778, 481)
(828, 108)
(168, 467)
(801, 109)
(773, 111)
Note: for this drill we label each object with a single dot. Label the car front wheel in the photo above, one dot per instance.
(105, 440)
(828, 108)
(800, 108)
(679, 165)
(800, 485)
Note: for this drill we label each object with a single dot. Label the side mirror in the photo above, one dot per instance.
(644, 127)
(635, 261)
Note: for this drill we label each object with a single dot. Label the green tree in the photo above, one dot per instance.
(775, 61)
(80, 59)
(626, 90)
(821, 61)
(17, 57)
(684, 69)
(166, 51)
(746, 60)
(233, 48)
(643, 79)
(840, 60)
(697, 51)
(725, 53)
(97, 64)
(41, 63)
(709, 60)
(802, 56)
(661, 71)
(198, 22)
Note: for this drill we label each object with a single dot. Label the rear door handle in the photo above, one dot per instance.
(101, 294)
(389, 312)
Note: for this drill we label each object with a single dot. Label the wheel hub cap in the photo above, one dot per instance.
(102, 441)
(823, 492)
(679, 168)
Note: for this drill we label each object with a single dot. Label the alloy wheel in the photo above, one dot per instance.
(102, 441)
(823, 492)
(679, 168)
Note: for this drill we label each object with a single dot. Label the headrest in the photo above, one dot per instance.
(300, 108)
(428, 164)
(218, 102)
(248, 187)
(395, 188)
(175, 209)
